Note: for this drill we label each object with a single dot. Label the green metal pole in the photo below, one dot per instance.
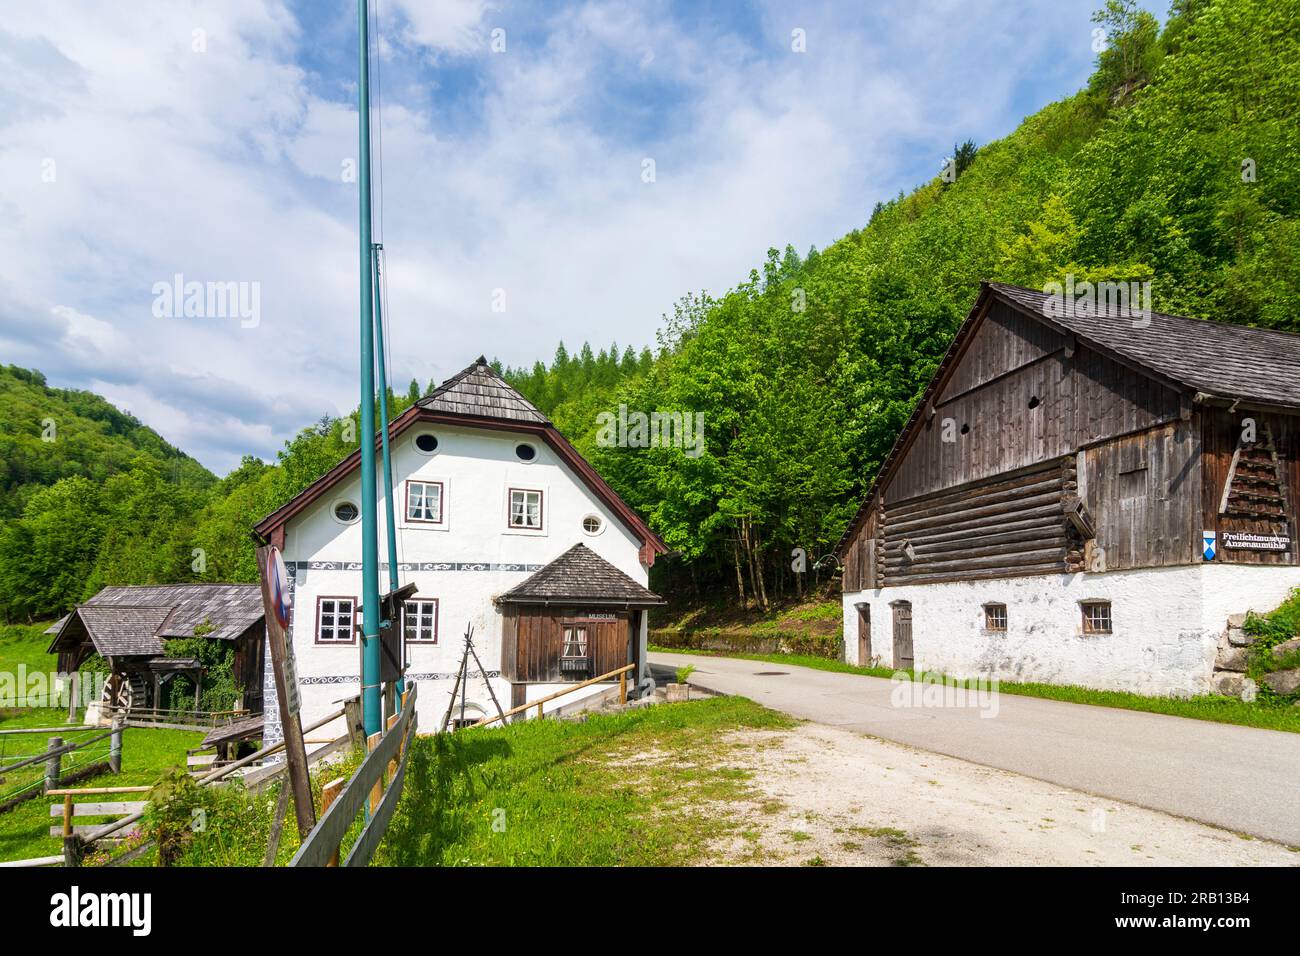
(370, 701)
(390, 525)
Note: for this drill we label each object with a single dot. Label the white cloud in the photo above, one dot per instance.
(450, 25)
(225, 166)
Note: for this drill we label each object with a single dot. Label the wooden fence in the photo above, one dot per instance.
(619, 672)
(376, 785)
(53, 758)
(171, 719)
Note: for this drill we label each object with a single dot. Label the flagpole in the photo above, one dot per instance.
(390, 523)
(370, 698)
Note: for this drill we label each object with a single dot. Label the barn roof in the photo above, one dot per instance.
(1215, 358)
(136, 619)
(1209, 361)
(580, 576)
(479, 391)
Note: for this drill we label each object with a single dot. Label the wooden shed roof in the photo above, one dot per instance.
(242, 729)
(135, 619)
(580, 576)
(1209, 361)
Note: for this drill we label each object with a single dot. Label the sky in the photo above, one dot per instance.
(549, 172)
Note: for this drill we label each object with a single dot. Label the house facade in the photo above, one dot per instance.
(488, 496)
(1083, 495)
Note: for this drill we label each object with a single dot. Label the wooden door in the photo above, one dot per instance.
(864, 635)
(903, 658)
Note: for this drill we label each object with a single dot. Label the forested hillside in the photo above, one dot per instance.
(1179, 163)
(52, 433)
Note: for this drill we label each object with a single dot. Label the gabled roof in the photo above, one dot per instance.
(1208, 361)
(1214, 358)
(135, 619)
(476, 397)
(479, 391)
(580, 576)
(124, 631)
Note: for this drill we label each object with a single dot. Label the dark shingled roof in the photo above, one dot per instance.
(135, 619)
(580, 576)
(480, 391)
(1219, 359)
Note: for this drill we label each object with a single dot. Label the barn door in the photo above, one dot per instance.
(903, 658)
(864, 635)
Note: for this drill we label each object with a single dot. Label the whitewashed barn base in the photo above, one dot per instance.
(1167, 624)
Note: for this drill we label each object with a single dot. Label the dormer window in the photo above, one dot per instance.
(525, 509)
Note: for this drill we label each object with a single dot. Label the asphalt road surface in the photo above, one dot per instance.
(1241, 778)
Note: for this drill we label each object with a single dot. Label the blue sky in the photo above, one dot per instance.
(208, 139)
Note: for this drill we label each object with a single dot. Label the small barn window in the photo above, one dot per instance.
(525, 509)
(1096, 617)
(420, 621)
(424, 501)
(995, 617)
(427, 442)
(346, 512)
(334, 620)
(525, 451)
(592, 524)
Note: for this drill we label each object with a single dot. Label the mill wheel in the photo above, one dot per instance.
(122, 692)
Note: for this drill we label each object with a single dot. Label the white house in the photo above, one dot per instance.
(501, 526)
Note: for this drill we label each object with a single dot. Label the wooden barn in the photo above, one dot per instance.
(126, 625)
(1084, 494)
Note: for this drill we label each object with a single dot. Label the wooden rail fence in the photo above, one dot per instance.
(621, 673)
(55, 771)
(376, 785)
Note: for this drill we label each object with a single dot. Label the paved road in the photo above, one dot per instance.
(1241, 778)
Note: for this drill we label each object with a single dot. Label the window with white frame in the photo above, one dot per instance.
(334, 620)
(420, 621)
(525, 509)
(424, 501)
(1096, 617)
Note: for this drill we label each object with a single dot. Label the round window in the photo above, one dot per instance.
(427, 442)
(525, 452)
(592, 524)
(346, 512)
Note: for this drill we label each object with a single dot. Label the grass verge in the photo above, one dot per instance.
(641, 788)
(1261, 713)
